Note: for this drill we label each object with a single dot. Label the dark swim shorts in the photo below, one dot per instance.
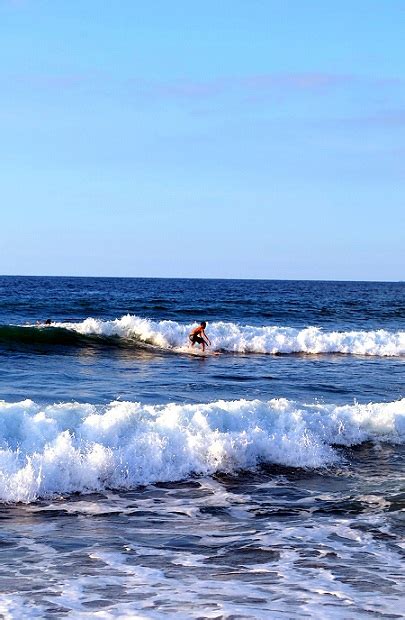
(195, 338)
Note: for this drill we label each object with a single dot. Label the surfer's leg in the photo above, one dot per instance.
(202, 343)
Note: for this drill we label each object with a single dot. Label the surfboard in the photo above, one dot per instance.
(203, 353)
(196, 352)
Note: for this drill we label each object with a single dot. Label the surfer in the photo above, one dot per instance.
(198, 335)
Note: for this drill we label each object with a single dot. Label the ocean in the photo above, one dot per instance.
(139, 479)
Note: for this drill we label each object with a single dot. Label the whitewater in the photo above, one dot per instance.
(235, 338)
(71, 447)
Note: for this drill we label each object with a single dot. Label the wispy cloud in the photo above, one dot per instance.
(354, 99)
(392, 118)
(247, 87)
(343, 102)
(242, 85)
(384, 118)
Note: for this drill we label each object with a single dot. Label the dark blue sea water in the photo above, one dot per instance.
(140, 478)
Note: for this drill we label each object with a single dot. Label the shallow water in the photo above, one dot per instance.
(271, 543)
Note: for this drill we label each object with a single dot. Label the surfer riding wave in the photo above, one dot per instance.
(198, 335)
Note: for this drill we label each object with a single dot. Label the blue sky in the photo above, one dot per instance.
(260, 139)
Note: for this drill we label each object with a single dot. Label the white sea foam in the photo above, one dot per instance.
(237, 338)
(67, 447)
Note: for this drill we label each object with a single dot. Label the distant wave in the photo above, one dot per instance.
(69, 447)
(226, 337)
(30, 334)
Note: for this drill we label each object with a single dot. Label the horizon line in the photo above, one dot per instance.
(253, 279)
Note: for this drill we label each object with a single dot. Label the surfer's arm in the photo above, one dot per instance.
(207, 340)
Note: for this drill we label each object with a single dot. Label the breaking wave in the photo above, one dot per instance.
(71, 447)
(226, 337)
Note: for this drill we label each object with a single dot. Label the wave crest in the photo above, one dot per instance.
(235, 338)
(226, 337)
(68, 447)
